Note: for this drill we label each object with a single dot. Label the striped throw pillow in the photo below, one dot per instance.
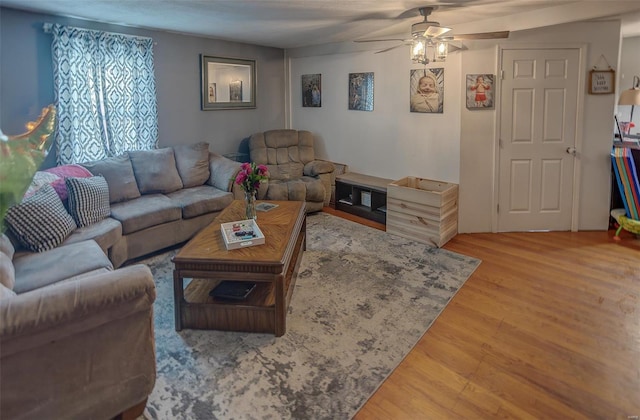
(40, 222)
(88, 199)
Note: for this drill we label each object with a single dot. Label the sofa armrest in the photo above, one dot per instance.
(223, 172)
(49, 314)
(80, 349)
(318, 167)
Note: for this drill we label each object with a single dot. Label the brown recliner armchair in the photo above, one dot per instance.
(294, 172)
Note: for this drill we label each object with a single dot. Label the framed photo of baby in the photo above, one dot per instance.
(480, 91)
(426, 88)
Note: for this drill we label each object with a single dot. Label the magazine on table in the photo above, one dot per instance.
(265, 206)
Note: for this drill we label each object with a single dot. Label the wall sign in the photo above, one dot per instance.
(602, 81)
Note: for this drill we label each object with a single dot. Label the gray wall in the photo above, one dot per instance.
(26, 82)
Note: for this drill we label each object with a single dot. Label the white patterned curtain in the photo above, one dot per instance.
(105, 93)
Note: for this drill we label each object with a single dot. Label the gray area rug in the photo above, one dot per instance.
(363, 299)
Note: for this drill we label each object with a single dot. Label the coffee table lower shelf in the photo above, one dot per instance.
(256, 313)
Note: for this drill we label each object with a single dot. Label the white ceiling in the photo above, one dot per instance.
(301, 23)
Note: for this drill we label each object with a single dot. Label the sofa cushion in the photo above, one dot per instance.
(155, 170)
(286, 171)
(34, 271)
(192, 163)
(106, 233)
(118, 173)
(40, 222)
(146, 211)
(6, 246)
(302, 189)
(223, 172)
(88, 199)
(7, 271)
(200, 200)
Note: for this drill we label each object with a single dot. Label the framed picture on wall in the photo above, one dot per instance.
(427, 90)
(235, 91)
(312, 90)
(480, 91)
(602, 81)
(361, 91)
(217, 72)
(212, 93)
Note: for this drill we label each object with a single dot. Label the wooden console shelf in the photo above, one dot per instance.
(362, 195)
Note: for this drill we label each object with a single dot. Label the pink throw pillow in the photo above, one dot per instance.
(63, 172)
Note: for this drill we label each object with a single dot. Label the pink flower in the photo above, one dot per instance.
(250, 176)
(242, 176)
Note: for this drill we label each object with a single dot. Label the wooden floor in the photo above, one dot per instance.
(547, 327)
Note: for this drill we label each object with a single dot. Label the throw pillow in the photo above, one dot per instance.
(119, 175)
(156, 171)
(40, 222)
(88, 199)
(66, 171)
(40, 178)
(192, 162)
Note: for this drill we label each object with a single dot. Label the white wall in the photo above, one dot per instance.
(458, 145)
(390, 141)
(477, 208)
(629, 67)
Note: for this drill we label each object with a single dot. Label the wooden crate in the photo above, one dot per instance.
(423, 210)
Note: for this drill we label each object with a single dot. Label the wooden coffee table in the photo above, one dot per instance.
(273, 266)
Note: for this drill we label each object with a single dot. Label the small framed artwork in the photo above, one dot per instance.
(211, 93)
(602, 81)
(235, 91)
(361, 91)
(312, 90)
(480, 91)
(427, 90)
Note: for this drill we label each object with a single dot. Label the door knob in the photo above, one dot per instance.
(572, 151)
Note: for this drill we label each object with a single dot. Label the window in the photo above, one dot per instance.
(105, 93)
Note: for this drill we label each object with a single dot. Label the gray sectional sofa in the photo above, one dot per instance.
(157, 198)
(76, 332)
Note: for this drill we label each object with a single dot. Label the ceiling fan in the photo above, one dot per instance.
(428, 35)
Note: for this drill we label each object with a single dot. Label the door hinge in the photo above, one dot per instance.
(498, 208)
(501, 74)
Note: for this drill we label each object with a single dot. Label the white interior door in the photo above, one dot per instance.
(537, 139)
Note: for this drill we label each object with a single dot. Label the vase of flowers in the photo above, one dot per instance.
(249, 179)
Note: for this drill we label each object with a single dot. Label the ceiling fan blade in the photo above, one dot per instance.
(378, 40)
(482, 35)
(389, 49)
(436, 31)
(451, 48)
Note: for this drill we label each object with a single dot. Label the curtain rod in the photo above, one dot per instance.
(48, 26)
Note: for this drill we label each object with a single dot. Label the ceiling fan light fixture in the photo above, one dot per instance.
(419, 49)
(441, 50)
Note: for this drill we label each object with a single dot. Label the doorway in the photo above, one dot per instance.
(538, 139)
